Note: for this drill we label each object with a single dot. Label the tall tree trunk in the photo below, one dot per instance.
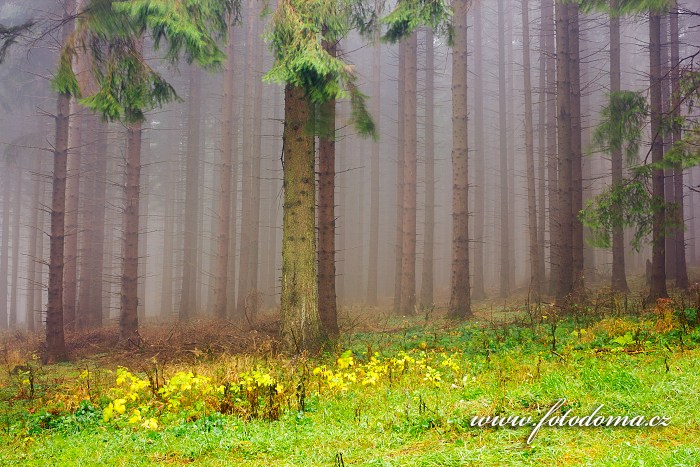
(96, 306)
(326, 215)
(35, 236)
(576, 150)
(373, 275)
(552, 159)
(400, 155)
(429, 161)
(143, 238)
(17, 175)
(505, 239)
(658, 268)
(535, 279)
(478, 291)
(70, 277)
(301, 323)
(619, 276)
(460, 297)
(541, 148)
(564, 237)
(408, 249)
(190, 281)
(129, 319)
(224, 193)
(167, 275)
(250, 156)
(55, 341)
(679, 233)
(5, 246)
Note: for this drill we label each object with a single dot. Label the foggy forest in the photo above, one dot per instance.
(349, 232)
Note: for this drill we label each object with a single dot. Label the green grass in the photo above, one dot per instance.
(403, 420)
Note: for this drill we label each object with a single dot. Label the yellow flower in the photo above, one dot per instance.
(150, 424)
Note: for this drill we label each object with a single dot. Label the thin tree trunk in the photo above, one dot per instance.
(70, 277)
(460, 297)
(301, 324)
(427, 286)
(224, 193)
(17, 175)
(129, 318)
(5, 247)
(619, 277)
(96, 307)
(679, 233)
(478, 291)
(167, 275)
(576, 151)
(35, 237)
(400, 155)
(658, 270)
(564, 237)
(503, 133)
(408, 249)
(55, 341)
(552, 160)
(143, 238)
(373, 274)
(541, 149)
(190, 281)
(535, 279)
(326, 216)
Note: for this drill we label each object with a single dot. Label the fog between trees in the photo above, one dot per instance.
(212, 164)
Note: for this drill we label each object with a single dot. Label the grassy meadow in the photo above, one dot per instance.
(393, 392)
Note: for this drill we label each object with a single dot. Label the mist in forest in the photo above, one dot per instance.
(212, 165)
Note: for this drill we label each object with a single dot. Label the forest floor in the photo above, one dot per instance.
(395, 391)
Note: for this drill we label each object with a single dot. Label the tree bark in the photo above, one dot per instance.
(619, 276)
(55, 340)
(326, 216)
(535, 279)
(129, 319)
(564, 237)
(17, 175)
(503, 159)
(400, 155)
(460, 297)
(542, 149)
(301, 324)
(190, 281)
(5, 246)
(679, 233)
(408, 249)
(35, 236)
(658, 267)
(224, 192)
(576, 151)
(552, 159)
(373, 270)
(478, 291)
(427, 286)
(70, 277)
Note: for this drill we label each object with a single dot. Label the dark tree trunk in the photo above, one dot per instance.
(223, 240)
(301, 324)
(563, 239)
(190, 281)
(408, 249)
(326, 216)
(426, 295)
(658, 270)
(552, 159)
(460, 297)
(400, 155)
(504, 238)
(576, 151)
(535, 279)
(679, 233)
(129, 318)
(619, 276)
(478, 291)
(373, 275)
(55, 341)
